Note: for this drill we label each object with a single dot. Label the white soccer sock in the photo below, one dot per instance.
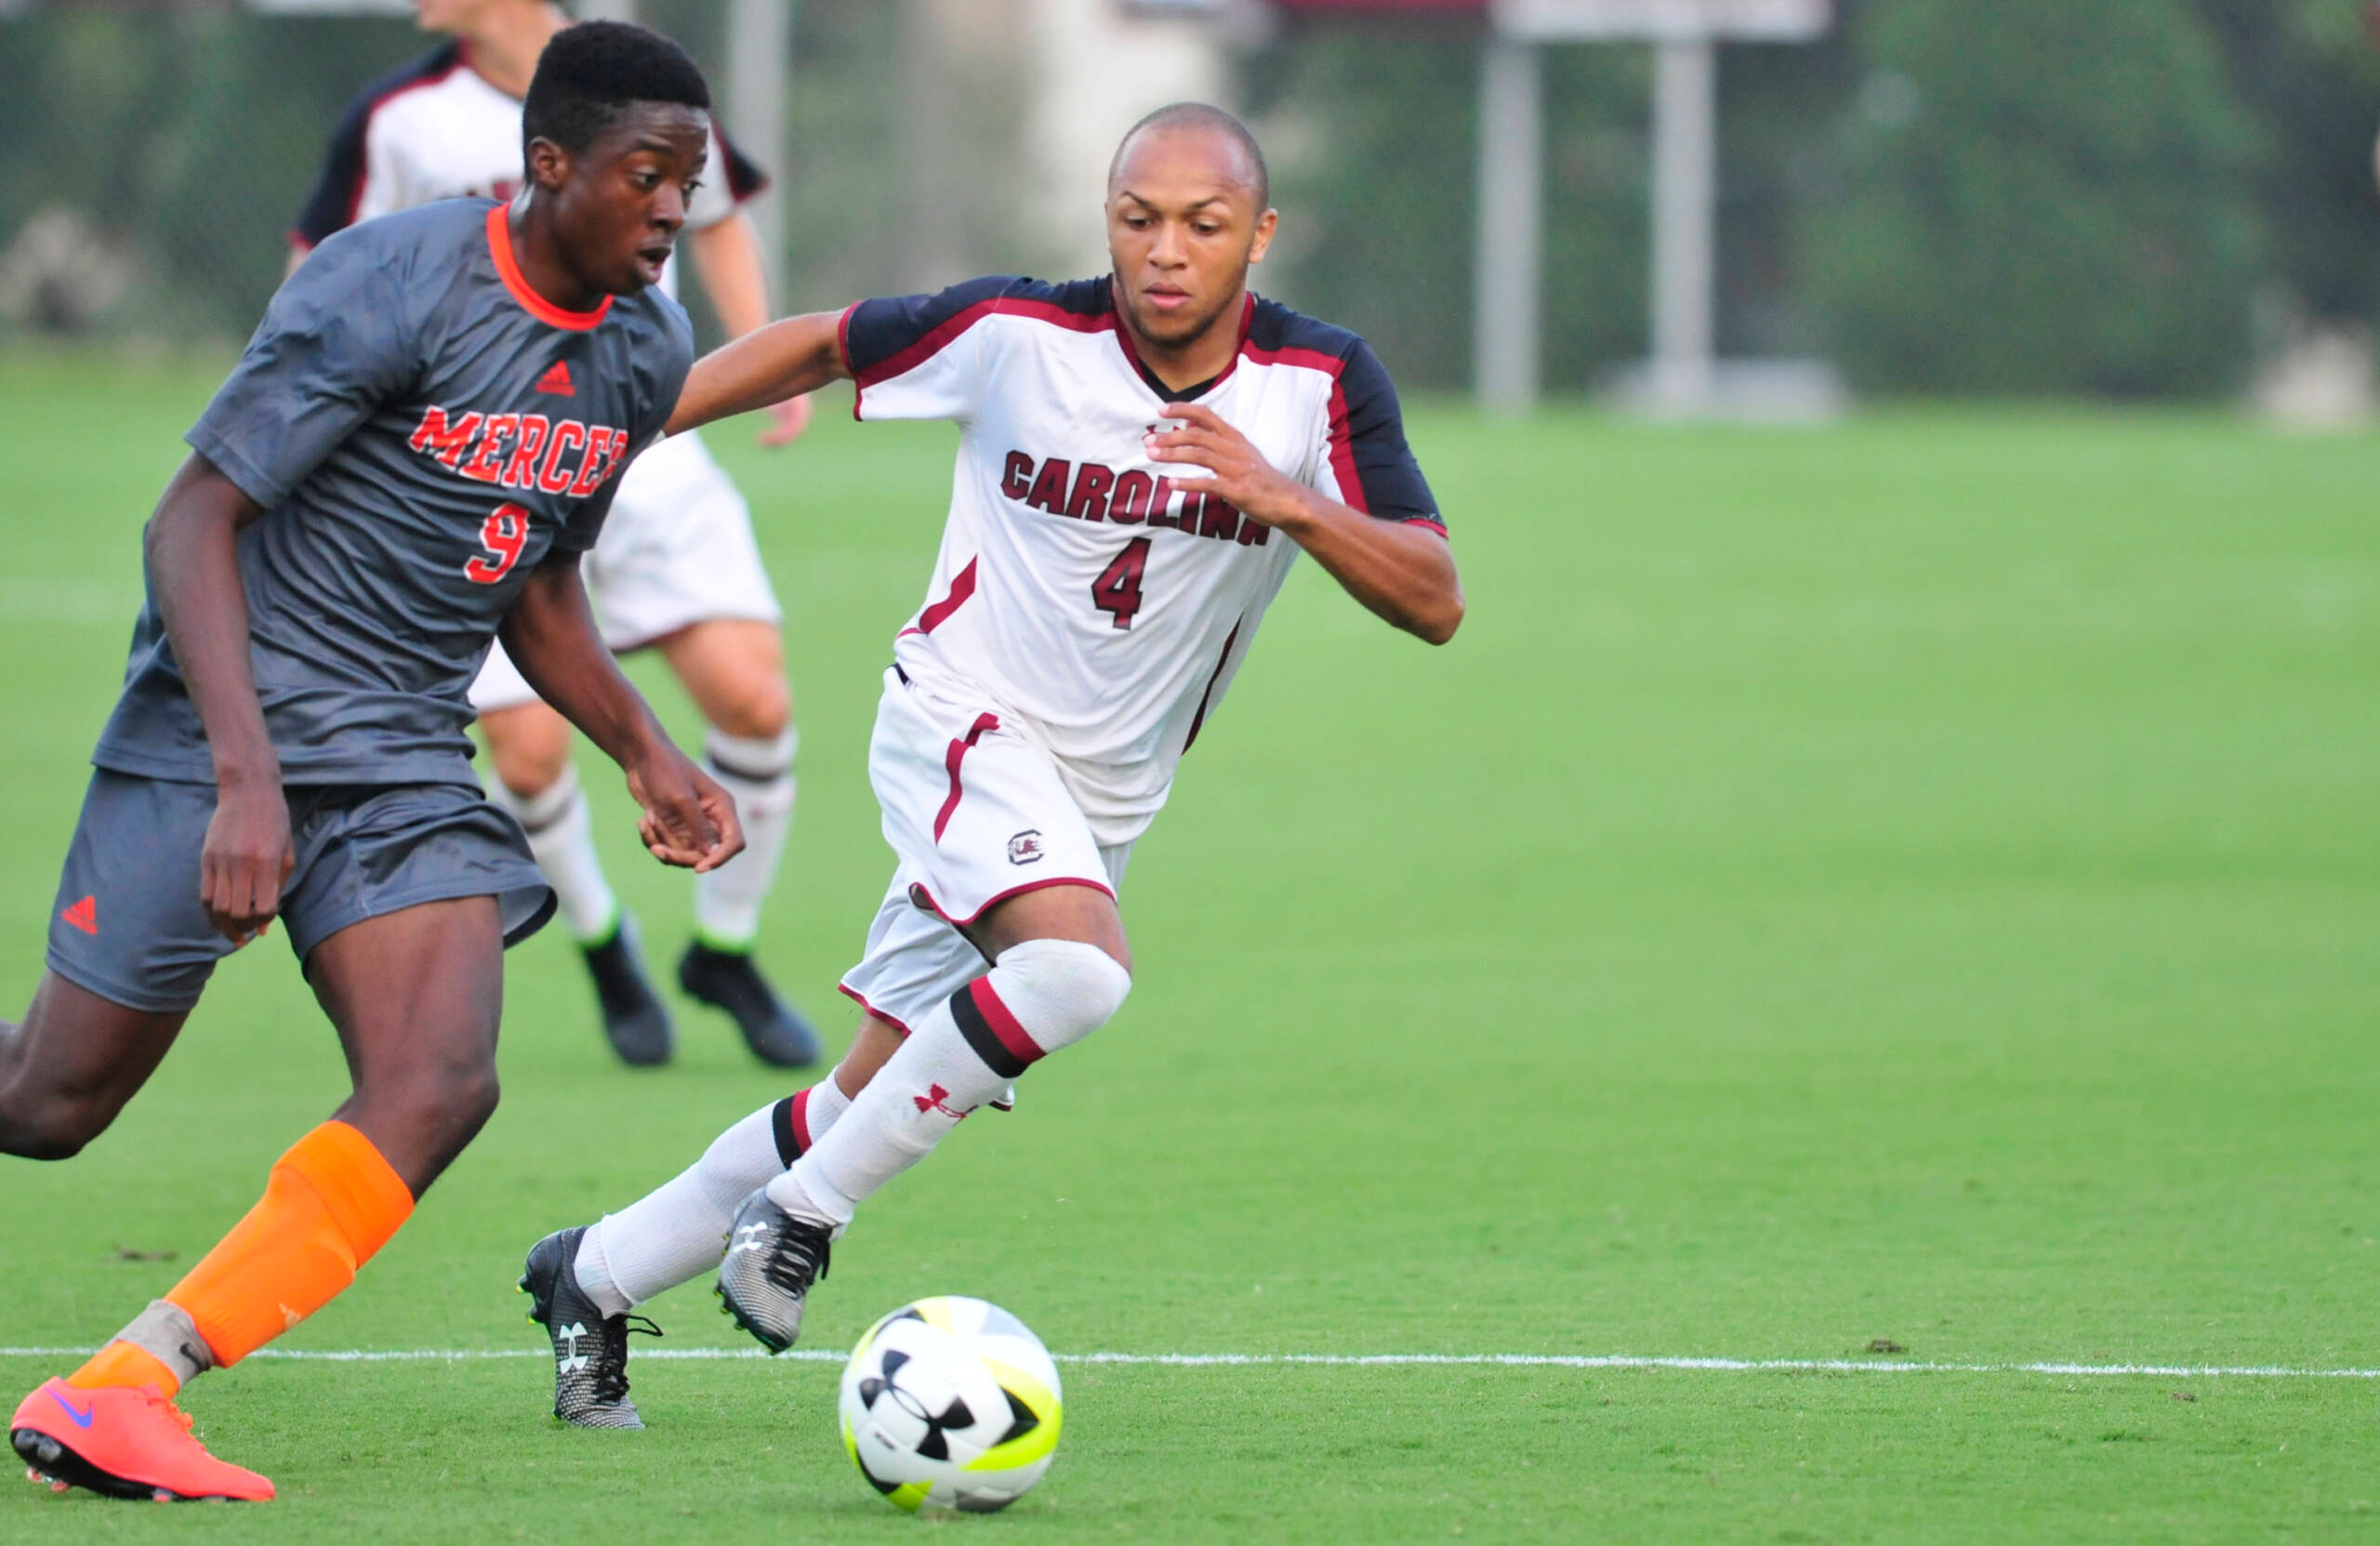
(759, 774)
(1040, 995)
(561, 839)
(676, 1231)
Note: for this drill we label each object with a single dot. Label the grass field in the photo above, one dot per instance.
(1918, 880)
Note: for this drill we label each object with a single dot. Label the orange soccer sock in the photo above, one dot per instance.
(330, 1203)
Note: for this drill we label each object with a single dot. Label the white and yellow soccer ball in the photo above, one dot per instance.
(951, 1403)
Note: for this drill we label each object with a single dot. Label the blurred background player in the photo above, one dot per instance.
(385, 482)
(676, 569)
(1143, 456)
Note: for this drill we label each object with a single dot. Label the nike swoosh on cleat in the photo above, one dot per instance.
(82, 1419)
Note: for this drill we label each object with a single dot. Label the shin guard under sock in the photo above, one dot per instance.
(329, 1204)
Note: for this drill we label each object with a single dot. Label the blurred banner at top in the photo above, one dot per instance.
(2117, 198)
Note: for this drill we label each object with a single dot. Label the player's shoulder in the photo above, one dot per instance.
(1278, 335)
(1083, 302)
(1087, 301)
(434, 235)
(892, 334)
(395, 271)
(426, 70)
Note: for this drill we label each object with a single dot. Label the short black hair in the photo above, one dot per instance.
(590, 74)
(1200, 115)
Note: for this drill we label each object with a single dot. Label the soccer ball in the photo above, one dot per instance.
(950, 1403)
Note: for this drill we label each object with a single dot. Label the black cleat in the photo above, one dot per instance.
(727, 979)
(634, 1019)
(590, 1348)
(772, 1260)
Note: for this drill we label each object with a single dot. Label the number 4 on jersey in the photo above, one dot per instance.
(1117, 589)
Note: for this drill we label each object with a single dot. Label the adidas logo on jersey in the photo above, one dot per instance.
(83, 915)
(523, 451)
(557, 380)
(1093, 492)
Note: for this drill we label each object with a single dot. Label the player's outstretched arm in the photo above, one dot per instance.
(687, 819)
(1404, 573)
(768, 364)
(194, 574)
(728, 256)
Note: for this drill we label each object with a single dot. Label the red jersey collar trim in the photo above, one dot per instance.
(499, 245)
(1199, 389)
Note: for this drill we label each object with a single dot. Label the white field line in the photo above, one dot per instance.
(1352, 1360)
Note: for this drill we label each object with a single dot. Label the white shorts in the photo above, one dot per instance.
(975, 815)
(677, 548)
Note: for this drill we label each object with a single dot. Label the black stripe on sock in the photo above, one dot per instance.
(561, 811)
(748, 774)
(980, 1037)
(781, 1124)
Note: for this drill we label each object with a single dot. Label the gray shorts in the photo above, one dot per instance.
(127, 923)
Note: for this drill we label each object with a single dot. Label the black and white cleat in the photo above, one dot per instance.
(590, 1348)
(773, 1258)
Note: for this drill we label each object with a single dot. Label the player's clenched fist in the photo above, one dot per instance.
(1241, 474)
(245, 858)
(687, 820)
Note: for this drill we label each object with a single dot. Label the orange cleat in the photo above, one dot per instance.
(123, 1442)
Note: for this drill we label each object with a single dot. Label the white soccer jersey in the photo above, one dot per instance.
(1098, 599)
(437, 129)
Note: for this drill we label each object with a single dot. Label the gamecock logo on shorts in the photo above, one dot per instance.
(1025, 847)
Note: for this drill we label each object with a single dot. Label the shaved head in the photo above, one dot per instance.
(1248, 168)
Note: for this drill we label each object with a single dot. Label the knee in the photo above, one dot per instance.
(758, 708)
(1063, 989)
(43, 1125)
(529, 746)
(465, 1099)
(442, 1108)
(474, 1097)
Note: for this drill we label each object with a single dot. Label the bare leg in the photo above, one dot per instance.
(734, 668)
(416, 996)
(529, 745)
(71, 1066)
(872, 1045)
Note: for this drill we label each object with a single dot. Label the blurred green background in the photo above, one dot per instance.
(2126, 198)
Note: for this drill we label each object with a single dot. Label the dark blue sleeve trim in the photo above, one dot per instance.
(1391, 480)
(332, 203)
(744, 175)
(883, 330)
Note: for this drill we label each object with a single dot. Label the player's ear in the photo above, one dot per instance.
(1264, 227)
(548, 165)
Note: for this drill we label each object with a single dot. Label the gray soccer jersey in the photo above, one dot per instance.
(422, 429)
